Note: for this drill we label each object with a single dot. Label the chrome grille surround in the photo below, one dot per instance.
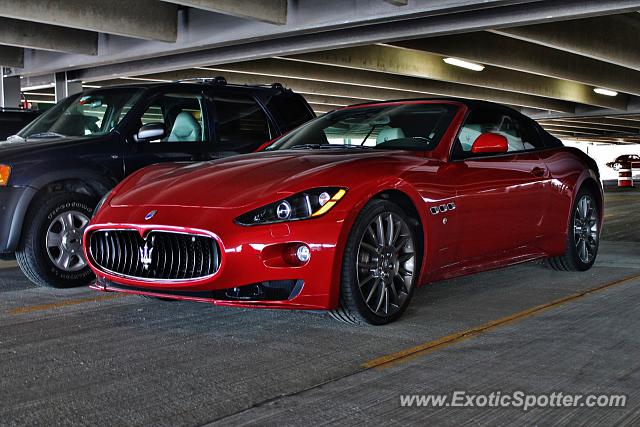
(159, 256)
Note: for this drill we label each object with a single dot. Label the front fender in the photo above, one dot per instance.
(350, 211)
(100, 184)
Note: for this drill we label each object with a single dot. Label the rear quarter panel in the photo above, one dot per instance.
(569, 169)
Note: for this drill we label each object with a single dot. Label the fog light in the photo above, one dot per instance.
(303, 253)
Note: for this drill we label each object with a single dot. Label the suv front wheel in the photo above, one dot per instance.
(50, 253)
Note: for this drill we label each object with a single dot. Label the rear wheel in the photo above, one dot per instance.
(380, 266)
(50, 253)
(583, 237)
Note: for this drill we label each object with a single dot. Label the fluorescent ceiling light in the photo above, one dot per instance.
(464, 64)
(605, 92)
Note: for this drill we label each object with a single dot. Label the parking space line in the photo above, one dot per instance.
(402, 356)
(66, 303)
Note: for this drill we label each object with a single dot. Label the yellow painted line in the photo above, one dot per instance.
(609, 216)
(66, 303)
(425, 348)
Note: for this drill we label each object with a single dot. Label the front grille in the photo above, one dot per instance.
(161, 255)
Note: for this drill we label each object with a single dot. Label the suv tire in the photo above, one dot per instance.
(50, 253)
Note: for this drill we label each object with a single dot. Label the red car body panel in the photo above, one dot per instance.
(506, 209)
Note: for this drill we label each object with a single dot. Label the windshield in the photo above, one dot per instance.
(92, 113)
(417, 127)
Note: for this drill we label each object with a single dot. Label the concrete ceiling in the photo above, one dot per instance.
(544, 57)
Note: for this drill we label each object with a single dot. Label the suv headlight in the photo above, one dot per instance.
(5, 171)
(308, 204)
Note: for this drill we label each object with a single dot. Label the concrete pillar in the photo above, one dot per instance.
(9, 91)
(65, 88)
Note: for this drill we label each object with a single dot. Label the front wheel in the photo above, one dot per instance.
(583, 237)
(380, 267)
(50, 253)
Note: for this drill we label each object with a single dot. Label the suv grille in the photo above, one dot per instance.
(161, 256)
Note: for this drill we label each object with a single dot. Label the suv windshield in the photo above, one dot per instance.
(417, 127)
(92, 113)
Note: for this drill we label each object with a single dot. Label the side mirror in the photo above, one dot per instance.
(151, 131)
(492, 143)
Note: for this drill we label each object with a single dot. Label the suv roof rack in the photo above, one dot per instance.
(220, 80)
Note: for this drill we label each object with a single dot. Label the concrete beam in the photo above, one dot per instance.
(595, 127)
(314, 26)
(613, 39)
(489, 48)
(65, 88)
(593, 138)
(398, 2)
(33, 35)
(302, 86)
(9, 91)
(277, 69)
(334, 100)
(11, 56)
(324, 107)
(619, 124)
(572, 130)
(417, 63)
(271, 11)
(144, 19)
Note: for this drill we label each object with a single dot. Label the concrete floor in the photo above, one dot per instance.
(75, 357)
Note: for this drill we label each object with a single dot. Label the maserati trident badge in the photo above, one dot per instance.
(150, 215)
(145, 255)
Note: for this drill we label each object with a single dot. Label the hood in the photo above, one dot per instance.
(239, 181)
(17, 148)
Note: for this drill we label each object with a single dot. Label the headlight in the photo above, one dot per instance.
(5, 171)
(308, 204)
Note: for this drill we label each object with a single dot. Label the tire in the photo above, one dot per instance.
(377, 270)
(51, 231)
(579, 238)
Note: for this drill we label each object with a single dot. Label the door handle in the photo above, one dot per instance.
(539, 172)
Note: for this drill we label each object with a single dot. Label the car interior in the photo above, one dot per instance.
(492, 121)
(413, 127)
(180, 114)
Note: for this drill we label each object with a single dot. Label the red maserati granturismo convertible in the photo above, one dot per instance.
(351, 211)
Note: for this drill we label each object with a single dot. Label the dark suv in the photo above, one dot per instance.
(55, 170)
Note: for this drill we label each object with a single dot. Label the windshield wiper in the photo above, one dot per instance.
(325, 147)
(46, 135)
(308, 147)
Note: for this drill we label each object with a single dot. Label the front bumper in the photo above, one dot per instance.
(252, 258)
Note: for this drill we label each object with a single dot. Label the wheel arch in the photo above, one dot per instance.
(82, 182)
(406, 203)
(595, 188)
(400, 193)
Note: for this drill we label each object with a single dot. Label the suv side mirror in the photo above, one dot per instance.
(151, 131)
(491, 143)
